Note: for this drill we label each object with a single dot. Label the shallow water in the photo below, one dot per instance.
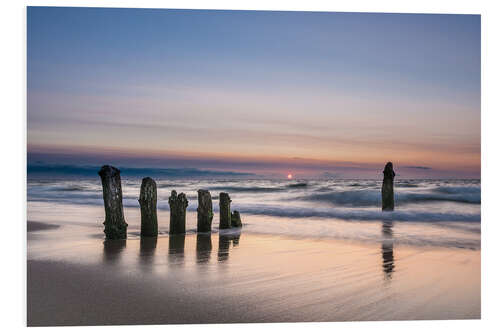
(442, 213)
(308, 251)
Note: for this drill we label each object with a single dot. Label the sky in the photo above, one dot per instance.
(269, 93)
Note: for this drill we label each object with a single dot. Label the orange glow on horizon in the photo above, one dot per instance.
(289, 176)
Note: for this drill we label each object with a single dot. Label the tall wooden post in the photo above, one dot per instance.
(115, 226)
(388, 187)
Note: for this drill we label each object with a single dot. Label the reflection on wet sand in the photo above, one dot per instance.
(203, 247)
(176, 249)
(112, 250)
(225, 244)
(387, 249)
(147, 250)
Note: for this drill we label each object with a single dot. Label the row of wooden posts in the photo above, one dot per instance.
(115, 226)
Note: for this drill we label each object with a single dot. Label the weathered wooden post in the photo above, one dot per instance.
(205, 211)
(235, 219)
(224, 211)
(178, 205)
(115, 226)
(388, 187)
(147, 200)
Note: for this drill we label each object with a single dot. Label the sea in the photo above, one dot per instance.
(435, 213)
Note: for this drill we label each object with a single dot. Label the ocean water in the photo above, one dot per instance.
(442, 213)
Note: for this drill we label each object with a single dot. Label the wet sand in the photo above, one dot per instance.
(38, 226)
(244, 278)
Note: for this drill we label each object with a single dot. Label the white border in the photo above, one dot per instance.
(13, 166)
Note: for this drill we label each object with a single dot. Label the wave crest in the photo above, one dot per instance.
(368, 197)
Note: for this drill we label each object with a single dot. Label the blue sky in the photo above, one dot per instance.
(247, 85)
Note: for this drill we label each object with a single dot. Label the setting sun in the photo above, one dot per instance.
(289, 176)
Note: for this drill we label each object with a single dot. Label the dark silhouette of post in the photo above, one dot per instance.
(147, 200)
(147, 251)
(178, 205)
(176, 249)
(388, 187)
(203, 247)
(224, 245)
(224, 211)
(115, 226)
(236, 240)
(387, 249)
(205, 211)
(113, 250)
(235, 219)
(176, 244)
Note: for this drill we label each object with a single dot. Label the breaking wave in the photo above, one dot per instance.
(368, 197)
(425, 201)
(360, 214)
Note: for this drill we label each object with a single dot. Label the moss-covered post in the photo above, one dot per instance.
(205, 211)
(235, 219)
(388, 187)
(147, 200)
(115, 226)
(178, 205)
(224, 211)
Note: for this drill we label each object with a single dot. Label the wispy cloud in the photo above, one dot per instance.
(417, 167)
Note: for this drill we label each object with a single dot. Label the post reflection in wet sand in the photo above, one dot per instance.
(147, 250)
(176, 249)
(112, 250)
(225, 244)
(203, 247)
(387, 249)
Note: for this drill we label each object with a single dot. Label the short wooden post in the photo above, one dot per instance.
(224, 211)
(205, 211)
(178, 205)
(147, 200)
(235, 219)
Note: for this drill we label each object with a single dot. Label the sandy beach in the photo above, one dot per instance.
(243, 277)
(313, 166)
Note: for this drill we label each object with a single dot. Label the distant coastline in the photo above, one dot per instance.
(91, 171)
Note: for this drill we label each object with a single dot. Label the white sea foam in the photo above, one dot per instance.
(428, 212)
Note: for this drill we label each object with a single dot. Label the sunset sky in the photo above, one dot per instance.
(271, 93)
